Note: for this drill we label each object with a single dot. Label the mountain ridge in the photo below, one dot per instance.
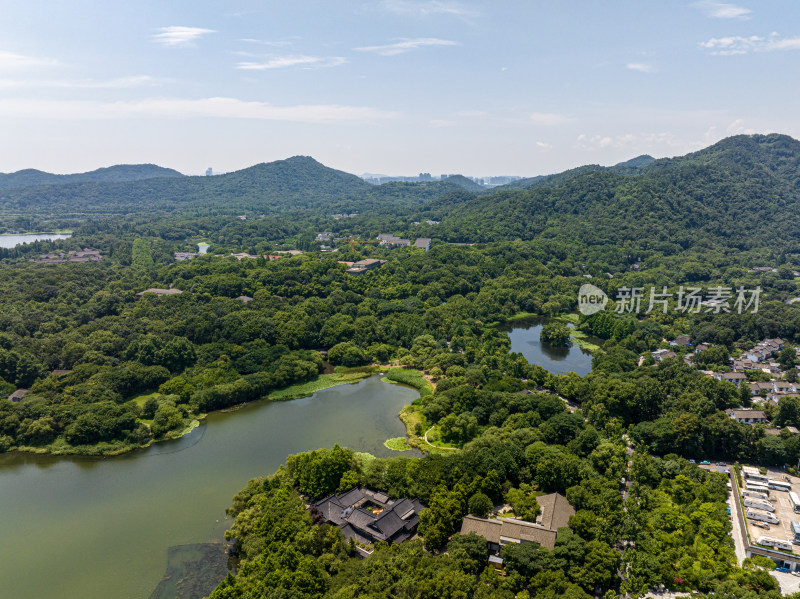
(120, 172)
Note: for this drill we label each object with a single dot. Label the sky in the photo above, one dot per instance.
(396, 87)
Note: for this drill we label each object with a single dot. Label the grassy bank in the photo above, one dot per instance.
(397, 444)
(580, 338)
(323, 381)
(412, 378)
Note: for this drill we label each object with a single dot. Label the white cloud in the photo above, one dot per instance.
(11, 60)
(430, 7)
(737, 128)
(117, 83)
(544, 145)
(643, 142)
(250, 40)
(732, 45)
(224, 108)
(439, 123)
(282, 62)
(641, 67)
(406, 45)
(723, 10)
(178, 35)
(548, 119)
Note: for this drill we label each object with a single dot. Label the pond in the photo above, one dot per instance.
(203, 247)
(524, 334)
(101, 528)
(10, 241)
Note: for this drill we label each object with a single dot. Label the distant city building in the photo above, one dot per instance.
(209, 171)
(424, 177)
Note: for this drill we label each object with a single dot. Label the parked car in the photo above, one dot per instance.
(760, 524)
(692, 462)
(783, 569)
(705, 463)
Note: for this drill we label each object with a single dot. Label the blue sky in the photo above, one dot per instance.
(389, 86)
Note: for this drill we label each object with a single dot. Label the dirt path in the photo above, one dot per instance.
(436, 446)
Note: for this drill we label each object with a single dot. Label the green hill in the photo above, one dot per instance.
(298, 183)
(741, 193)
(120, 172)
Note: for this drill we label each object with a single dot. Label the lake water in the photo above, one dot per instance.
(525, 339)
(203, 247)
(10, 241)
(80, 528)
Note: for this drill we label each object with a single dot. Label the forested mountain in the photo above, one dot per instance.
(298, 183)
(121, 172)
(740, 193)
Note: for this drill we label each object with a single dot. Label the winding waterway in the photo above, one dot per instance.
(79, 528)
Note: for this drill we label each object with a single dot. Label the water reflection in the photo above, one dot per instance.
(525, 339)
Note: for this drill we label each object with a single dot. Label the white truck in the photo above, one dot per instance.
(762, 516)
(776, 543)
(755, 495)
(759, 504)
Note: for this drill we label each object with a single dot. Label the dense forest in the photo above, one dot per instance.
(108, 369)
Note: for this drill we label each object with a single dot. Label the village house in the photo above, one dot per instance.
(242, 256)
(762, 388)
(764, 350)
(742, 365)
(555, 514)
(737, 378)
(424, 243)
(369, 516)
(157, 291)
(362, 266)
(17, 395)
(388, 239)
(748, 416)
(777, 431)
(663, 354)
(784, 387)
(682, 340)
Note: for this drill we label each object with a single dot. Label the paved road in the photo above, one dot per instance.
(789, 582)
(738, 541)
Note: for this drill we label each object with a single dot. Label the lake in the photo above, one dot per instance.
(203, 247)
(524, 334)
(93, 528)
(10, 241)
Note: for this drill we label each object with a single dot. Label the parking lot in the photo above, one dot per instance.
(784, 511)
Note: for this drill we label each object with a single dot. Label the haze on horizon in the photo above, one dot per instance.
(390, 86)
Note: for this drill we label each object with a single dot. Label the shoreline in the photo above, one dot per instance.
(348, 377)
